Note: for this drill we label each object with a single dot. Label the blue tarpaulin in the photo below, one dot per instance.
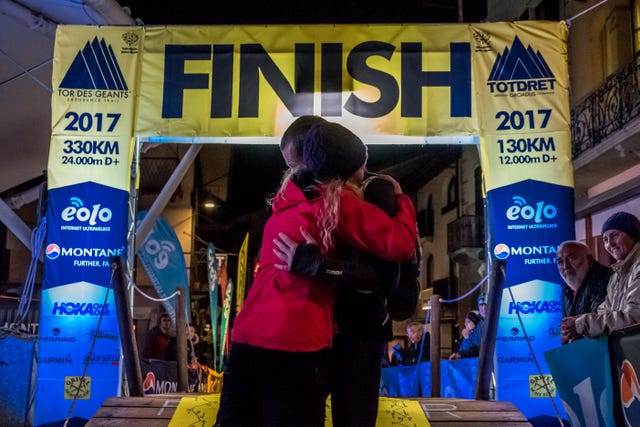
(457, 379)
(17, 363)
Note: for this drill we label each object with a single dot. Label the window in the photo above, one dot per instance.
(452, 195)
(428, 283)
(429, 218)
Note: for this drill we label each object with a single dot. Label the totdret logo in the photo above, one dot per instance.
(95, 67)
(520, 71)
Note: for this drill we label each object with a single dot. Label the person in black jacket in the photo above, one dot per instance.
(585, 280)
(416, 350)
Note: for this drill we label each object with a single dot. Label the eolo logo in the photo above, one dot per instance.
(520, 209)
(160, 251)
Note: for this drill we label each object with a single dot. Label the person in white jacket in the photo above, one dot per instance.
(621, 308)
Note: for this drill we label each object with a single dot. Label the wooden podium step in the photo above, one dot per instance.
(157, 411)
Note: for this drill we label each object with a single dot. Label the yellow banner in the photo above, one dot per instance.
(506, 83)
(95, 84)
(242, 273)
(521, 82)
(250, 81)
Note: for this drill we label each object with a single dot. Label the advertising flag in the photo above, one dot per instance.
(163, 260)
(94, 82)
(212, 276)
(224, 322)
(521, 81)
(242, 273)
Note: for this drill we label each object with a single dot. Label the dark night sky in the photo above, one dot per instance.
(201, 12)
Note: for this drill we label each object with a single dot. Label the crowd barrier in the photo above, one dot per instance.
(597, 381)
(160, 376)
(457, 379)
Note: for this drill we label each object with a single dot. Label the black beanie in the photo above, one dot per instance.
(625, 222)
(332, 151)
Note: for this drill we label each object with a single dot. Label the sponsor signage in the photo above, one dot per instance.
(388, 83)
(88, 182)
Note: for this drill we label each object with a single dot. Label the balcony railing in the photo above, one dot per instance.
(606, 110)
(465, 232)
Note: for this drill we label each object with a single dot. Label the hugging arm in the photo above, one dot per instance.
(307, 260)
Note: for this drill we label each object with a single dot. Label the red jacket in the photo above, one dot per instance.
(284, 311)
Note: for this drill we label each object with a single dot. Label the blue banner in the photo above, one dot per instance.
(582, 375)
(79, 343)
(529, 221)
(212, 276)
(624, 349)
(457, 379)
(163, 260)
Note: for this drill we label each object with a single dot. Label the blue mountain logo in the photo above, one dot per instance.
(520, 69)
(94, 67)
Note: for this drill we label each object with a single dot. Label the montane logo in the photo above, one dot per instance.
(94, 67)
(503, 251)
(520, 71)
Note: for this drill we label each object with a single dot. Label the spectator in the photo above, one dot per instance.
(621, 307)
(156, 341)
(470, 345)
(482, 311)
(585, 280)
(482, 305)
(410, 355)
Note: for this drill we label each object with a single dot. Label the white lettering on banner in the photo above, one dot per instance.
(161, 251)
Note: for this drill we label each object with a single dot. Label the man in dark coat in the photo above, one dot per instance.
(585, 280)
(156, 341)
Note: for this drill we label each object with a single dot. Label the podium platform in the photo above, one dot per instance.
(157, 411)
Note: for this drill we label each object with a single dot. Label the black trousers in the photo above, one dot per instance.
(355, 381)
(273, 388)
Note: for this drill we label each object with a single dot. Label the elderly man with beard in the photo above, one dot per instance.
(621, 307)
(585, 279)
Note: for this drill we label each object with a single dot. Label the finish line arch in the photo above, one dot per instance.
(502, 85)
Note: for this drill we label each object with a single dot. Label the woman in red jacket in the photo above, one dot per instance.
(278, 368)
